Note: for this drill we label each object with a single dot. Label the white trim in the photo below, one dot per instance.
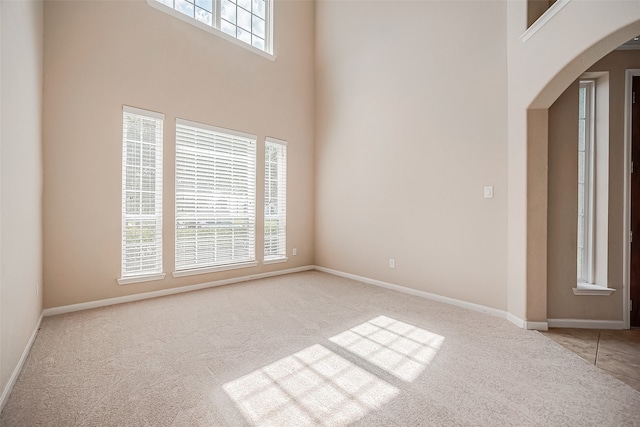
(544, 18)
(172, 291)
(516, 320)
(165, 292)
(197, 125)
(586, 324)
(275, 141)
(626, 243)
(196, 271)
(141, 112)
(215, 31)
(415, 292)
(139, 279)
(541, 326)
(275, 260)
(536, 326)
(16, 372)
(590, 289)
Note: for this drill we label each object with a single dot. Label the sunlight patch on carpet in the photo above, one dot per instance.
(312, 387)
(401, 349)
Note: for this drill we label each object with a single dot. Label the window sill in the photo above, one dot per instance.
(275, 260)
(206, 270)
(212, 30)
(589, 289)
(139, 279)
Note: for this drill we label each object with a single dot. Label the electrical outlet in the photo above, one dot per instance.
(392, 263)
(294, 251)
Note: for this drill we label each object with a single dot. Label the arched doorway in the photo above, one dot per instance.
(537, 157)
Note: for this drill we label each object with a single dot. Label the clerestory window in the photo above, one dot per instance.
(246, 20)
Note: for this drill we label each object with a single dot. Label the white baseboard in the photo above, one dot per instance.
(537, 326)
(586, 324)
(154, 294)
(422, 294)
(516, 320)
(16, 372)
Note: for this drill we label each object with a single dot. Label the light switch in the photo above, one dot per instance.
(488, 192)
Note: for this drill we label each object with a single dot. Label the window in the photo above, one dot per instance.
(275, 200)
(141, 195)
(215, 198)
(586, 188)
(246, 20)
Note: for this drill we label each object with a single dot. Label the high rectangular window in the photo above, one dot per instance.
(141, 195)
(215, 198)
(275, 200)
(246, 20)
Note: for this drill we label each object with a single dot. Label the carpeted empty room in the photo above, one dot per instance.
(319, 212)
(305, 349)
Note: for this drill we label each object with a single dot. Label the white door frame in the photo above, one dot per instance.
(626, 276)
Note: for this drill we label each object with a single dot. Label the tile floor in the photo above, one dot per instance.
(616, 352)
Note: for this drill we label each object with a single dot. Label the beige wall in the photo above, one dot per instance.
(21, 179)
(563, 135)
(100, 55)
(409, 130)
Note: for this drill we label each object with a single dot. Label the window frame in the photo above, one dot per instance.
(180, 271)
(128, 277)
(267, 53)
(587, 263)
(281, 215)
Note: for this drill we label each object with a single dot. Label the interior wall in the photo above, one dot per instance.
(563, 202)
(409, 131)
(21, 47)
(100, 55)
(563, 135)
(541, 65)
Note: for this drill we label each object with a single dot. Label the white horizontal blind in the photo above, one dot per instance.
(141, 192)
(275, 199)
(215, 196)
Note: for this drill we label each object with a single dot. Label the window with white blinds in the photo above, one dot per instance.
(141, 194)
(275, 200)
(215, 197)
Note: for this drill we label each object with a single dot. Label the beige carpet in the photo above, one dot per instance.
(305, 349)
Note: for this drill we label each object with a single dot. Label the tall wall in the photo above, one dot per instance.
(21, 48)
(563, 135)
(411, 124)
(100, 55)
